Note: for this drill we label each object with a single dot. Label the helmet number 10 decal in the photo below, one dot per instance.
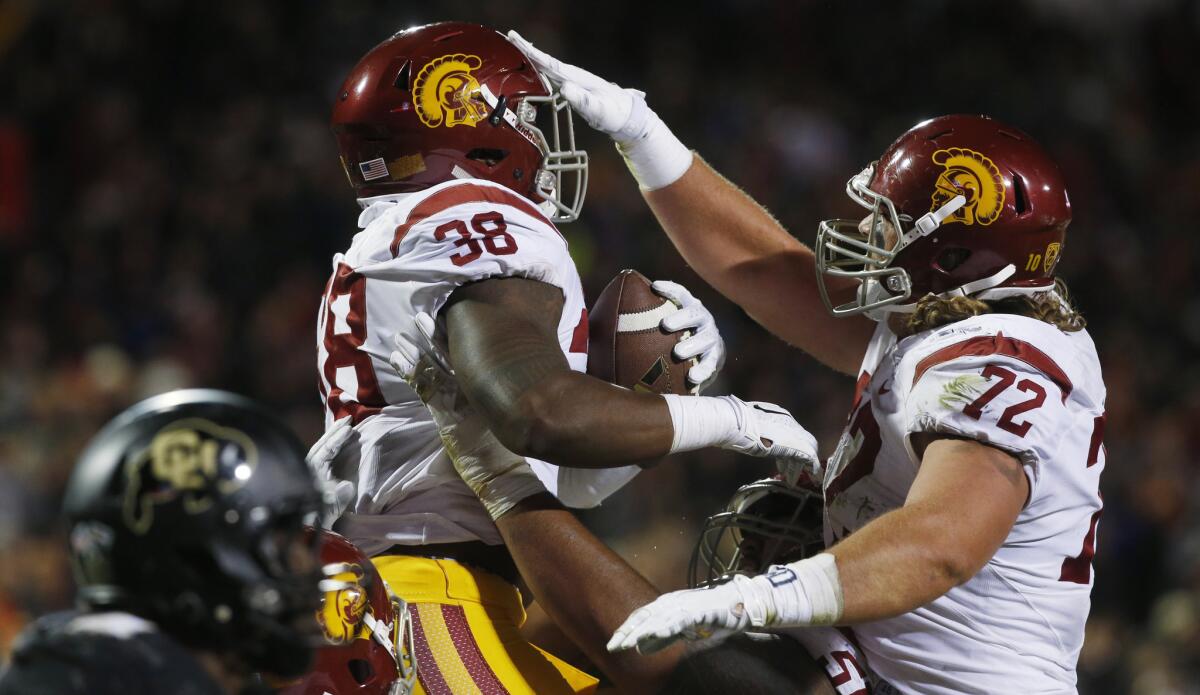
(495, 237)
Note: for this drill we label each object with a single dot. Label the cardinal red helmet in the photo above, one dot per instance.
(457, 100)
(960, 205)
(368, 630)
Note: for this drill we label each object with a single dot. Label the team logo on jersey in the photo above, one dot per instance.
(1052, 251)
(189, 460)
(342, 610)
(974, 176)
(446, 92)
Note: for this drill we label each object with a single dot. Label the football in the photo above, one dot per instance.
(626, 346)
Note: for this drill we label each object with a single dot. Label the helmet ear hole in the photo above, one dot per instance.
(951, 258)
(487, 156)
(361, 671)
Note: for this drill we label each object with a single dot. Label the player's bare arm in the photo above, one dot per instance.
(732, 241)
(741, 250)
(960, 508)
(502, 335)
(584, 586)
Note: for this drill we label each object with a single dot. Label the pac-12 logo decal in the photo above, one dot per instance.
(974, 176)
(1052, 251)
(188, 460)
(445, 92)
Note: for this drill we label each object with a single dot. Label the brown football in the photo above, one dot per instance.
(625, 344)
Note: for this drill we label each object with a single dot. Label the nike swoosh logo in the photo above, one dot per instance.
(884, 389)
(766, 410)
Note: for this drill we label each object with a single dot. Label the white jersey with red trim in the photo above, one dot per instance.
(413, 251)
(1022, 386)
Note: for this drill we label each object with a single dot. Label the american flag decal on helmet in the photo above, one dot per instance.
(374, 169)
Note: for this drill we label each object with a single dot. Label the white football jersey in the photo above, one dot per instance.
(1025, 387)
(413, 251)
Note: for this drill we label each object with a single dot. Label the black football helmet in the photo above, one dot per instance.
(189, 509)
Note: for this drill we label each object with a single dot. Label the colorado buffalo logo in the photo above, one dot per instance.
(973, 176)
(187, 461)
(446, 92)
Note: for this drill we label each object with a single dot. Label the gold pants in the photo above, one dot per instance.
(466, 629)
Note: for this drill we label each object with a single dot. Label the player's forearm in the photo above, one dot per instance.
(574, 420)
(585, 587)
(719, 229)
(900, 561)
(743, 252)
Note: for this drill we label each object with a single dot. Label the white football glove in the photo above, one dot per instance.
(712, 613)
(806, 592)
(497, 476)
(704, 343)
(769, 430)
(337, 493)
(754, 428)
(655, 156)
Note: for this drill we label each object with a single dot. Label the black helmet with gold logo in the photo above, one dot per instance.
(189, 509)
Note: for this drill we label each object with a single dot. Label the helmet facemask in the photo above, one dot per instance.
(561, 182)
(864, 250)
(766, 522)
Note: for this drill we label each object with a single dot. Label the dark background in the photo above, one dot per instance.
(170, 198)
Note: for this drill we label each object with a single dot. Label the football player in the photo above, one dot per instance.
(587, 588)
(194, 569)
(962, 499)
(463, 158)
(368, 630)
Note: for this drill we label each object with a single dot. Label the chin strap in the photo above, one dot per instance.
(977, 286)
(983, 288)
(927, 223)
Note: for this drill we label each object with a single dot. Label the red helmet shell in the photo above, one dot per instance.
(410, 114)
(1017, 208)
(354, 661)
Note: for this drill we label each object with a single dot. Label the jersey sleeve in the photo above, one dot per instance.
(582, 488)
(997, 400)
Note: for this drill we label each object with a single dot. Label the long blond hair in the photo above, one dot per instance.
(933, 311)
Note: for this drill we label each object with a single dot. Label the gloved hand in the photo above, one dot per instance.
(704, 344)
(754, 428)
(338, 494)
(497, 476)
(711, 613)
(806, 592)
(655, 156)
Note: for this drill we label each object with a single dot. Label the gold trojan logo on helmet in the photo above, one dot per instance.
(342, 611)
(445, 92)
(974, 176)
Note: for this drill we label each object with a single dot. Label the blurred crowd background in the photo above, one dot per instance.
(170, 198)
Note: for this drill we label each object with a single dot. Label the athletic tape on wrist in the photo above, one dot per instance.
(656, 158)
(701, 422)
(499, 495)
(808, 592)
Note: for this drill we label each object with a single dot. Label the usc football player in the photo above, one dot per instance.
(462, 157)
(962, 499)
